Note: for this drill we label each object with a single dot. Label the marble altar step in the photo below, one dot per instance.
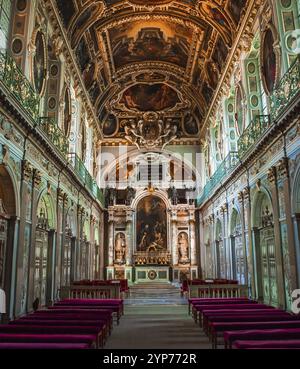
(154, 293)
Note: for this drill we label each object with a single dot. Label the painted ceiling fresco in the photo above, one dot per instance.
(157, 97)
(150, 41)
(162, 56)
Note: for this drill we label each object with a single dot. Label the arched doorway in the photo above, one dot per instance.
(237, 248)
(265, 249)
(7, 212)
(220, 251)
(45, 223)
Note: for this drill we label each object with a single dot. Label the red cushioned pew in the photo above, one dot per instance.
(216, 301)
(69, 319)
(115, 304)
(265, 344)
(210, 315)
(198, 309)
(45, 329)
(91, 340)
(250, 317)
(43, 346)
(260, 334)
(103, 316)
(217, 329)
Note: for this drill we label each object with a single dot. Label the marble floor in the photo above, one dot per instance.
(156, 317)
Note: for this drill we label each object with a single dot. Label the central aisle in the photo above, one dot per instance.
(156, 317)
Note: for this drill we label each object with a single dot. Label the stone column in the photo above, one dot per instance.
(249, 249)
(257, 281)
(174, 237)
(101, 246)
(214, 268)
(58, 243)
(192, 238)
(92, 267)
(129, 237)
(296, 219)
(290, 255)
(23, 244)
(10, 266)
(111, 238)
(50, 293)
(37, 179)
(224, 212)
(63, 231)
(272, 178)
(243, 230)
(80, 214)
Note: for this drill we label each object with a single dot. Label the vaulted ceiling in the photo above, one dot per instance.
(138, 56)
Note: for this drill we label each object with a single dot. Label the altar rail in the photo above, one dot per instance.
(218, 291)
(91, 292)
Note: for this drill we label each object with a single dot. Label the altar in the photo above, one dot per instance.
(152, 239)
(152, 274)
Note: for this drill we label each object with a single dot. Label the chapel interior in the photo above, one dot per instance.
(149, 174)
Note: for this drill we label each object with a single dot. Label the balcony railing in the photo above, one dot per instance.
(287, 89)
(18, 85)
(85, 177)
(223, 171)
(22, 90)
(55, 134)
(258, 126)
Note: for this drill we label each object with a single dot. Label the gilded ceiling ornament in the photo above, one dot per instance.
(150, 132)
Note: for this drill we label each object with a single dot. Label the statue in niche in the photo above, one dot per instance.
(173, 195)
(183, 248)
(110, 196)
(120, 249)
(130, 195)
